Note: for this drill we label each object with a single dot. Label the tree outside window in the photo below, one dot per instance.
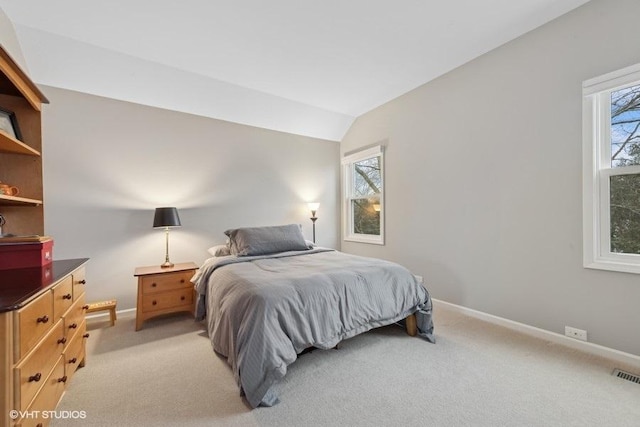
(364, 196)
(625, 188)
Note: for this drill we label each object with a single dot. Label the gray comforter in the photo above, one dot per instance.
(263, 310)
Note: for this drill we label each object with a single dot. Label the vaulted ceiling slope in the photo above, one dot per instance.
(297, 66)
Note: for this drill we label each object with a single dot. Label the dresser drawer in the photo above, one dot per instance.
(74, 352)
(31, 373)
(74, 317)
(34, 320)
(62, 297)
(167, 300)
(79, 281)
(48, 397)
(166, 282)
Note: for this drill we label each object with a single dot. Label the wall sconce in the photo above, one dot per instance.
(166, 217)
(314, 208)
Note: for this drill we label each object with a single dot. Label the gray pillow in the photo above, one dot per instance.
(266, 240)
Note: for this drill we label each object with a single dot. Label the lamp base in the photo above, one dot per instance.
(167, 264)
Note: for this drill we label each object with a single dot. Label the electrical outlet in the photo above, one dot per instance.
(578, 334)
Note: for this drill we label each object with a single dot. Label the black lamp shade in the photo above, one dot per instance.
(166, 217)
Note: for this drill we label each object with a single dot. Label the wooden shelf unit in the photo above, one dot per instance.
(20, 160)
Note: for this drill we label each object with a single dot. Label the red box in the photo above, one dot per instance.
(26, 254)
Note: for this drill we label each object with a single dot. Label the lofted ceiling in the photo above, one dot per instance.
(299, 66)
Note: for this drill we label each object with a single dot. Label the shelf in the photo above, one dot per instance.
(12, 145)
(18, 201)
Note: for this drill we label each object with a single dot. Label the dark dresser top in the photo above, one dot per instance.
(20, 285)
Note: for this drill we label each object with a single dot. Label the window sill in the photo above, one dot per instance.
(365, 239)
(611, 265)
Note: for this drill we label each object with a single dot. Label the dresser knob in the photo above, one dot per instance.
(181, 280)
(85, 336)
(39, 425)
(63, 379)
(182, 298)
(67, 296)
(43, 319)
(62, 340)
(72, 361)
(35, 378)
(73, 326)
(153, 285)
(82, 282)
(154, 302)
(85, 307)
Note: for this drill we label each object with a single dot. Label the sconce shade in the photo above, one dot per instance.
(166, 217)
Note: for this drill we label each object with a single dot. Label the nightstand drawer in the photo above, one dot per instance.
(170, 299)
(167, 282)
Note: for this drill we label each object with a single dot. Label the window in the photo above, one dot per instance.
(611, 153)
(364, 196)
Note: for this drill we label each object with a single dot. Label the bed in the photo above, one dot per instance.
(272, 295)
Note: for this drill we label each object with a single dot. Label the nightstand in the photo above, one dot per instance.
(164, 290)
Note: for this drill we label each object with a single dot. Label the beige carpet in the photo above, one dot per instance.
(477, 374)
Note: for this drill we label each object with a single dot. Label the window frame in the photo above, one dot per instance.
(597, 171)
(348, 163)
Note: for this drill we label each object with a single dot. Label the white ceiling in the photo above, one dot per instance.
(300, 66)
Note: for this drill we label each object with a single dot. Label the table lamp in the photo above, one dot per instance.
(166, 218)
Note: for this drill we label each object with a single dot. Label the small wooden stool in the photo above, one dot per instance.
(103, 306)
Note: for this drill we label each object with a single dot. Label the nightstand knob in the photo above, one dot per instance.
(182, 298)
(85, 336)
(73, 326)
(85, 307)
(35, 378)
(72, 361)
(39, 425)
(67, 296)
(153, 285)
(154, 302)
(43, 319)
(62, 340)
(82, 282)
(63, 379)
(181, 280)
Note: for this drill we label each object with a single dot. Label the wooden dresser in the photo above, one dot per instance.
(43, 335)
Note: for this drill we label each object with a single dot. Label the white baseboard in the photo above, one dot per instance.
(619, 356)
(118, 312)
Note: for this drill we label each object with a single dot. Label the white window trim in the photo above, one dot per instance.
(347, 161)
(596, 157)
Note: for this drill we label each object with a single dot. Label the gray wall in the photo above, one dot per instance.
(9, 40)
(108, 164)
(484, 191)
